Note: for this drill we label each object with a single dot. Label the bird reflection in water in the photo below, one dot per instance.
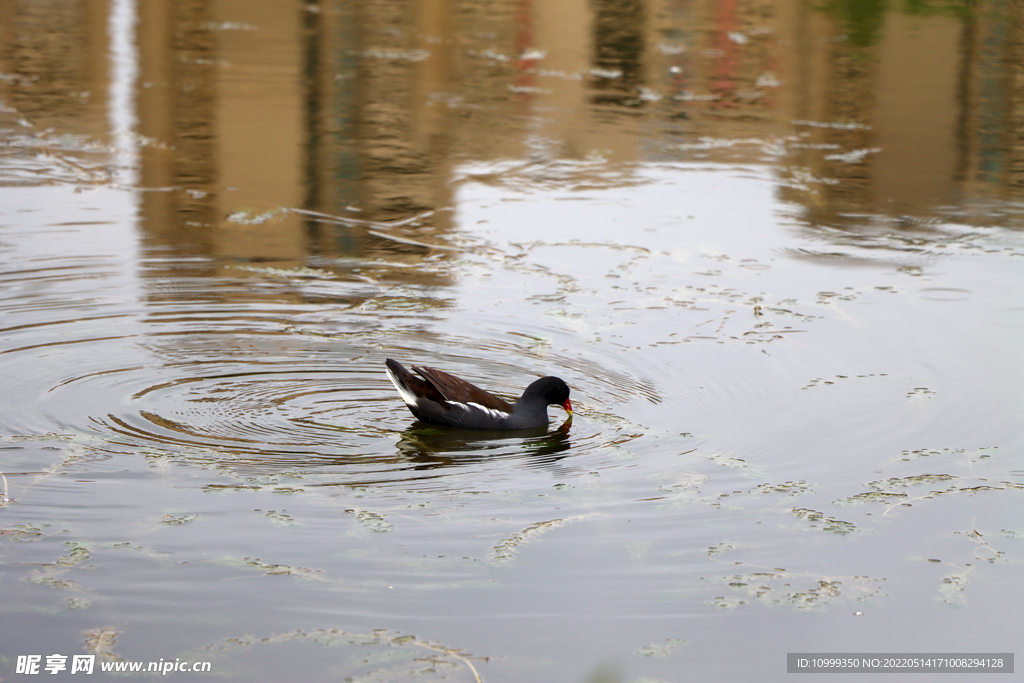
(431, 446)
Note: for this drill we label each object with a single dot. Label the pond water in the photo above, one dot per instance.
(774, 248)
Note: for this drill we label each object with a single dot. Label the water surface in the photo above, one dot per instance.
(774, 248)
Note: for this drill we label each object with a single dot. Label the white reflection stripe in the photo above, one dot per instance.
(124, 71)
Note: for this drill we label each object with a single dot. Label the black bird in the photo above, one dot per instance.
(446, 400)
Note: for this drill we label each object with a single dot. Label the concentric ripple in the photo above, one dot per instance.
(232, 370)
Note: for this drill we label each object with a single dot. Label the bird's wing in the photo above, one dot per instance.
(460, 391)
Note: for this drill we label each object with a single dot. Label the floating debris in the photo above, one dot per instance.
(829, 524)
(659, 650)
(371, 520)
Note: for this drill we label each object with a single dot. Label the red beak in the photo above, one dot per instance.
(567, 406)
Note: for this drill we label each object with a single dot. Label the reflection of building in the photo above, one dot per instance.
(53, 63)
(991, 99)
(177, 104)
(373, 106)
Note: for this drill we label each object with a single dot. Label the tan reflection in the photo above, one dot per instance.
(177, 103)
(561, 54)
(915, 115)
(54, 64)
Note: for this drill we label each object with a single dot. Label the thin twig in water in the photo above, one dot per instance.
(453, 653)
(415, 243)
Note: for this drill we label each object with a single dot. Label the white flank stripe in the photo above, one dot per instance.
(490, 411)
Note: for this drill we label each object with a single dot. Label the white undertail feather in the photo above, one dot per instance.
(407, 396)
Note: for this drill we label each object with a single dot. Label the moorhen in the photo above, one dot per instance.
(446, 400)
